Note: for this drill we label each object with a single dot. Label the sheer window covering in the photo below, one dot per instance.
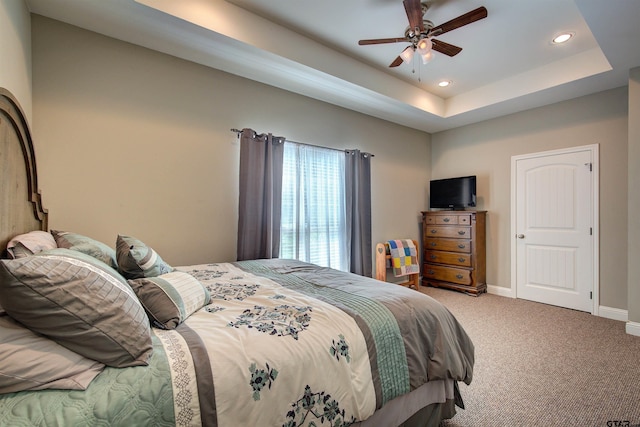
(313, 226)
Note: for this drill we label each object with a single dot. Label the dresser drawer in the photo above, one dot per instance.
(447, 274)
(450, 258)
(451, 245)
(442, 220)
(448, 231)
(448, 219)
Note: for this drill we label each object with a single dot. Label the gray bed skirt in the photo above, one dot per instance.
(425, 406)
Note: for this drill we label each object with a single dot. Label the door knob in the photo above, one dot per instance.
(520, 236)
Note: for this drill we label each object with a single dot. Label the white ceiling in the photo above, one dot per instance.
(507, 64)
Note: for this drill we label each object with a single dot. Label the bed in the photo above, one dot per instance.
(108, 333)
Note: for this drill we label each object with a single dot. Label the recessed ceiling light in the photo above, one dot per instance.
(444, 83)
(561, 38)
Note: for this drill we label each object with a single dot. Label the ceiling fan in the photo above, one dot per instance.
(420, 33)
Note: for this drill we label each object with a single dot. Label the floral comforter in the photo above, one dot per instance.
(294, 344)
(282, 343)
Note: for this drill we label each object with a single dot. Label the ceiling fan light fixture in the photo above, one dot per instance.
(407, 54)
(427, 57)
(424, 46)
(420, 31)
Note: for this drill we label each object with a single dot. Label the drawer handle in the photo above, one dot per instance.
(434, 244)
(431, 272)
(433, 257)
(462, 232)
(446, 220)
(461, 259)
(461, 246)
(459, 276)
(433, 231)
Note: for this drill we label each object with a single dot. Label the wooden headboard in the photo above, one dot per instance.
(20, 205)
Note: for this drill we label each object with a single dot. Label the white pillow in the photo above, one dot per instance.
(33, 362)
(33, 241)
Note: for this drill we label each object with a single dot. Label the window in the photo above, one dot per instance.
(313, 224)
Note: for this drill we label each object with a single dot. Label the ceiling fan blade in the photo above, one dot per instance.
(380, 41)
(460, 21)
(396, 62)
(414, 13)
(446, 48)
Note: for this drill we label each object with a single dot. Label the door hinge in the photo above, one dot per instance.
(590, 231)
(591, 295)
(590, 166)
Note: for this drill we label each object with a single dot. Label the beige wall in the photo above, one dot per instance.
(136, 142)
(15, 52)
(133, 141)
(634, 199)
(485, 149)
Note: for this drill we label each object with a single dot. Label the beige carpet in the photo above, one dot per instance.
(540, 365)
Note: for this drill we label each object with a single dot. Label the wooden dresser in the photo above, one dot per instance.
(454, 250)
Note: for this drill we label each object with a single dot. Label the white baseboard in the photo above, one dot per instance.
(613, 313)
(501, 291)
(633, 328)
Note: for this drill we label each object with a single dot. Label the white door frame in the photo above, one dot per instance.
(595, 207)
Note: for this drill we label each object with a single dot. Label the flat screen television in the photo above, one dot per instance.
(453, 193)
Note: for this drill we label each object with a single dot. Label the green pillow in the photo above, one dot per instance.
(86, 245)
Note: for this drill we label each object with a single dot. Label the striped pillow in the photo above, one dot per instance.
(137, 260)
(170, 298)
(79, 302)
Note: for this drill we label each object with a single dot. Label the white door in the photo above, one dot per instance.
(554, 227)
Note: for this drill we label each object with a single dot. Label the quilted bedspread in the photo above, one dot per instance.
(282, 343)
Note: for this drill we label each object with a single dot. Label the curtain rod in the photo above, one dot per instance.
(238, 132)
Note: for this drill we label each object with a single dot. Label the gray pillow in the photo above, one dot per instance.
(79, 302)
(86, 245)
(137, 260)
(33, 362)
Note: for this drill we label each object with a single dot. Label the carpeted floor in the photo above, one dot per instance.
(540, 365)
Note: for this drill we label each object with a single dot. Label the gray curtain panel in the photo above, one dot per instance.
(358, 194)
(261, 158)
